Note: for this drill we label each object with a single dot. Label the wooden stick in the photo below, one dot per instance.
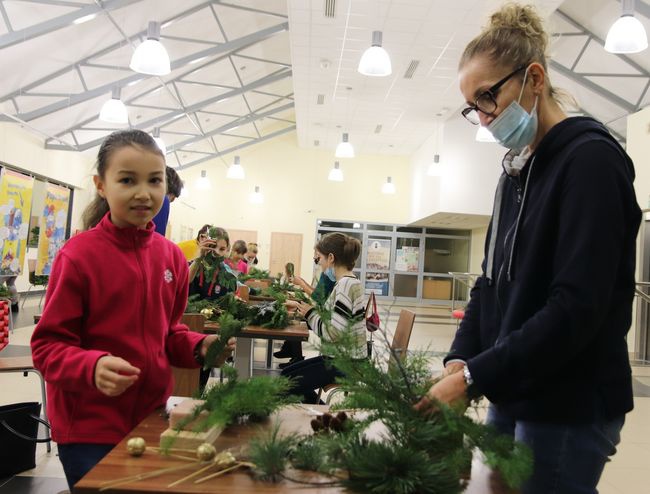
(225, 470)
(198, 472)
(142, 476)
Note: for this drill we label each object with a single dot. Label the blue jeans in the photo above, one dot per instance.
(78, 459)
(569, 458)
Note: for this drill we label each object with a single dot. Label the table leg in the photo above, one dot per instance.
(243, 357)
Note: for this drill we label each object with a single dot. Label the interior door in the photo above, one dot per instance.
(285, 247)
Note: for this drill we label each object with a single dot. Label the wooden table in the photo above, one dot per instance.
(120, 464)
(244, 350)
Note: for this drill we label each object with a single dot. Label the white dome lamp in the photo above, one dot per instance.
(203, 182)
(375, 61)
(336, 174)
(388, 187)
(484, 135)
(627, 34)
(344, 148)
(236, 171)
(150, 57)
(159, 140)
(113, 110)
(257, 197)
(434, 168)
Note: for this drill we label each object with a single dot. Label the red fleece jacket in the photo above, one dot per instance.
(117, 291)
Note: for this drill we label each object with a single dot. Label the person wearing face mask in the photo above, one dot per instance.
(543, 337)
(336, 254)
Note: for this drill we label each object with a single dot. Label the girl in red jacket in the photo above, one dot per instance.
(111, 329)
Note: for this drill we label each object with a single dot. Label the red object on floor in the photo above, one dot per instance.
(4, 324)
(458, 314)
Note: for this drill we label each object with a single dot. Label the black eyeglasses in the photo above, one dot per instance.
(486, 101)
(316, 260)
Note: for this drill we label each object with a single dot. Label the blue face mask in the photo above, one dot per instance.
(515, 128)
(329, 272)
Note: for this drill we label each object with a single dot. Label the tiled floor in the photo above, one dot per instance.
(627, 473)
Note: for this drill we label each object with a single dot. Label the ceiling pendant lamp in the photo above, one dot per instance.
(434, 168)
(113, 110)
(159, 141)
(150, 57)
(336, 174)
(484, 135)
(388, 187)
(203, 182)
(344, 148)
(627, 34)
(257, 197)
(236, 171)
(375, 61)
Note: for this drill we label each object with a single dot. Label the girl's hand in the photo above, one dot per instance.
(207, 245)
(303, 308)
(227, 351)
(114, 375)
(292, 305)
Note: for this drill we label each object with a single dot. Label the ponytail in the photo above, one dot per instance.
(94, 212)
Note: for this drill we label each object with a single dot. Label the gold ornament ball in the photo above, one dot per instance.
(136, 446)
(205, 452)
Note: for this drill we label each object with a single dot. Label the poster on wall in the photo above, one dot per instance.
(377, 283)
(407, 259)
(52, 226)
(15, 210)
(378, 254)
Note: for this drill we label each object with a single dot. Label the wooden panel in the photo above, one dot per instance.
(248, 236)
(285, 247)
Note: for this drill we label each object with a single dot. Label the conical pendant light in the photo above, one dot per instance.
(375, 61)
(150, 57)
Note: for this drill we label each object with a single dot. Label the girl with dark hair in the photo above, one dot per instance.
(106, 360)
(336, 253)
(237, 259)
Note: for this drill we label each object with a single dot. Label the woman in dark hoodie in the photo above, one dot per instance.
(543, 336)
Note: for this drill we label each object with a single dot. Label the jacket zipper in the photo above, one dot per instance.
(505, 255)
(143, 372)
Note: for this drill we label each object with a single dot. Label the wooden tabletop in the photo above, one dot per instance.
(294, 419)
(293, 332)
(16, 363)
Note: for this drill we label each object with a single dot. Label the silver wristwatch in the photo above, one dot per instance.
(468, 377)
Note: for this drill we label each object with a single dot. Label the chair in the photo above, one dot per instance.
(34, 281)
(399, 346)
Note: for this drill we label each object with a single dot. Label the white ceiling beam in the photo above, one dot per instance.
(238, 147)
(230, 46)
(56, 23)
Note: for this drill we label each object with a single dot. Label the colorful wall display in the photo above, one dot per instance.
(52, 226)
(378, 254)
(15, 210)
(407, 258)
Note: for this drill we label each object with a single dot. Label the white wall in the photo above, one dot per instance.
(469, 172)
(27, 151)
(296, 191)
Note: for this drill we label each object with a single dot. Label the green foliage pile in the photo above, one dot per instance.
(255, 274)
(418, 453)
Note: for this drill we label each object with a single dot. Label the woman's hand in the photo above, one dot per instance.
(303, 308)
(227, 351)
(299, 282)
(114, 375)
(452, 368)
(292, 305)
(451, 390)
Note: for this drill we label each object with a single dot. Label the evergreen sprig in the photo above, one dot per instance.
(229, 327)
(255, 274)
(269, 453)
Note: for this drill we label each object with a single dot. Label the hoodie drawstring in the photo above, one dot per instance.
(521, 210)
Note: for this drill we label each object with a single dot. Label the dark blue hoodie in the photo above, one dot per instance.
(544, 331)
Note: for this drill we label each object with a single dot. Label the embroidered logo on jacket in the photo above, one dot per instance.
(169, 277)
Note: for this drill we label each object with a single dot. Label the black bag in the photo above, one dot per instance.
(18, 437)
